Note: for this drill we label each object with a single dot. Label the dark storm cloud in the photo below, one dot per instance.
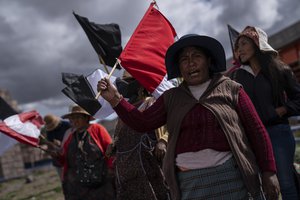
(212, 16)
(41, 39)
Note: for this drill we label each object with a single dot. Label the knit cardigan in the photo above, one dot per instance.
(220, 98)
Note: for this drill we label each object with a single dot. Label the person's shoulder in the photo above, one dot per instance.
(229, 80)
(230, 83)
(169, 92)
(287, 69)
(97, 126)
(232, 69)
(172, 89)
(172, 92)
(233, 73)
(65, 123)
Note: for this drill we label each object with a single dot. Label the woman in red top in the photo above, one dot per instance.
(217, 145)
(86, 170)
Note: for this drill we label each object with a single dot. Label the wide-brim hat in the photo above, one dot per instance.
(213, 46)
(77, 110)
(259, 37)
(51, 122)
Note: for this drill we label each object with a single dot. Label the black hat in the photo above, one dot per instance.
(213, 46)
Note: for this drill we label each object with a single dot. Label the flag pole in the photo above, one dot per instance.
(43, 137)
(47, 142)
(103, 63)
(155, 4)
(111, 72)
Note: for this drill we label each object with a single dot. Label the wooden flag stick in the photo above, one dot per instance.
(42, 136)
(47, 142)
(111, 72)
(103, 63)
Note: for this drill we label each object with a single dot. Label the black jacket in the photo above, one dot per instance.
(259, 90)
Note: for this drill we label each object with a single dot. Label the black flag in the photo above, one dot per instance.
(69, 78)
(233, 35)
(81, 93)
(6, 110)
(105, 38)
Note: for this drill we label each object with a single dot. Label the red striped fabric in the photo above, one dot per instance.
(24, 127)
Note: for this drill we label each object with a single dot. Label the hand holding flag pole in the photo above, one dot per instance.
(47, 142)
(51, 148)
(110, 74)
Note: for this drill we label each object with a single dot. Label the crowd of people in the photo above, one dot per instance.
(212, 137)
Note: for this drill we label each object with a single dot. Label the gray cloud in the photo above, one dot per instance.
(41, 39)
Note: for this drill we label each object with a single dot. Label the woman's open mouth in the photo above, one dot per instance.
(194, 73)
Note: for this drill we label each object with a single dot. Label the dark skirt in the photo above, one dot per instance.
(220, 182)
(72, 187)
(75, 191)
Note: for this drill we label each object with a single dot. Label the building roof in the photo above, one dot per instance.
(280, 39)
(285, 36)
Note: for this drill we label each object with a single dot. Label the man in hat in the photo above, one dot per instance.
(85, 166)
(217, 145)
(54, 130)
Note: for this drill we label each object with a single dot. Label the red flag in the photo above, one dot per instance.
(24, 127)
(144, 55)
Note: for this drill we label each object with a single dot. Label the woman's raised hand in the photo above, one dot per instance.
(109, 92)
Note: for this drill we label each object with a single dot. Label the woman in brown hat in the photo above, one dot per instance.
(275, 93)
(217, 146)
(85, 166)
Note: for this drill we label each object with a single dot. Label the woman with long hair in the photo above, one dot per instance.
(275, 93)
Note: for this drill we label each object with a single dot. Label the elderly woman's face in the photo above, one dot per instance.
(194, 65)
(78, 121)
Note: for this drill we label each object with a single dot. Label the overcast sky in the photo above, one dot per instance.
(40, 39)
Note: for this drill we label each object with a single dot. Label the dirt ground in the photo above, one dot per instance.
(39, 184)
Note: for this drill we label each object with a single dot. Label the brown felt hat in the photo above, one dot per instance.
(76, 110)
(51, 122)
